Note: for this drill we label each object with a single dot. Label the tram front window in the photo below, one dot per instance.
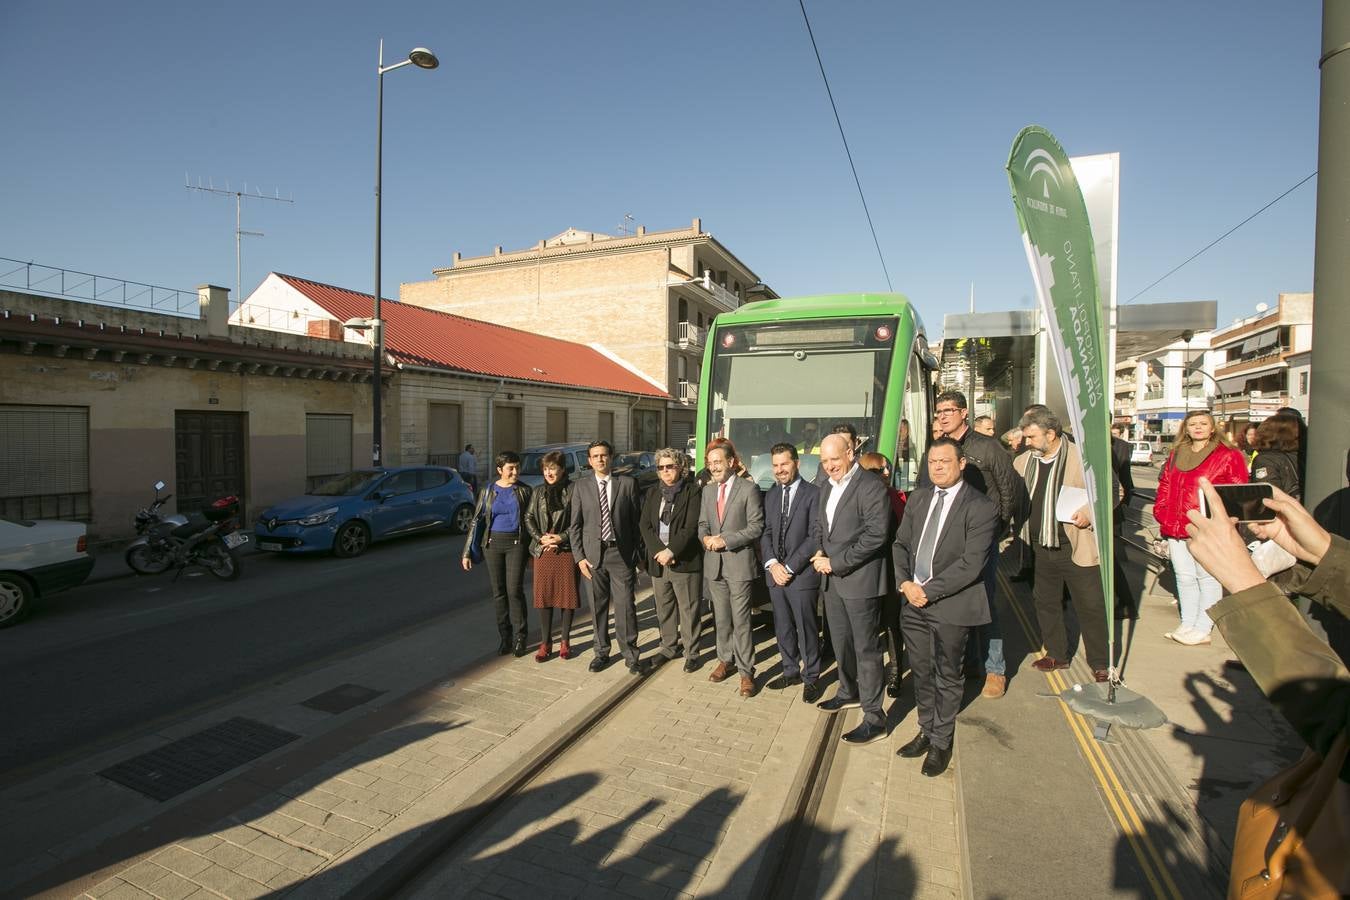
(767, 388)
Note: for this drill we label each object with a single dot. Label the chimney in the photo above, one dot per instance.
(698, 226)
(642, 229)
(214, 309)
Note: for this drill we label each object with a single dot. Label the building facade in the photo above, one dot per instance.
(644, 299)
(1264, 361)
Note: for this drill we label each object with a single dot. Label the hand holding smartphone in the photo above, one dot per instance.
(1244, 502)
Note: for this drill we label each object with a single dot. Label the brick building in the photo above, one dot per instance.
(641, 298)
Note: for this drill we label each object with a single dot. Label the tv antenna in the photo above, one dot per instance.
(239, 232)
(626, 226)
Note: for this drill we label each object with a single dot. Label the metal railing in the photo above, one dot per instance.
(687, 392)
(689, 335)
(69, 284)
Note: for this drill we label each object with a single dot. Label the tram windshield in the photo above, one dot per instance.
(792, 382)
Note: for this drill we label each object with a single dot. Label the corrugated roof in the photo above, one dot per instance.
(428, 337)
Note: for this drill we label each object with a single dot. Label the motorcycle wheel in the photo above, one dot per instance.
(144, 559)
(220, 562)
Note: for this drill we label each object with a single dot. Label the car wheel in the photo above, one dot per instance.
(16, 599)
(461, 521)
(352, 539)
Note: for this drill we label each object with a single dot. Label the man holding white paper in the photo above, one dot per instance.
(1058, 526)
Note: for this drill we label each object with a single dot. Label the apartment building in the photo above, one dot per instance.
(1263, 361)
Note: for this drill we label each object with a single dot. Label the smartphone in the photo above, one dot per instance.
(1242, 501)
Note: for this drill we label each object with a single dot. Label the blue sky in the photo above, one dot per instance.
(545, 116)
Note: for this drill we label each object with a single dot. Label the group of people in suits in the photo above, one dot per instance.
(832, 545)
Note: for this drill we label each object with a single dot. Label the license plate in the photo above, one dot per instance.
(235, 539)
(268, 545)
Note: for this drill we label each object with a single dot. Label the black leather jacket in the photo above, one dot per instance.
(990, 471)
(540, 521)
(483, 510)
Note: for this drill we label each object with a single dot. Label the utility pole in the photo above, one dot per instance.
(1330, 383)
(239, 232)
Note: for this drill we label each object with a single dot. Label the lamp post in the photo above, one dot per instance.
(423, 59)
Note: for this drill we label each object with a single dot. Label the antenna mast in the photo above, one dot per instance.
(239, 232)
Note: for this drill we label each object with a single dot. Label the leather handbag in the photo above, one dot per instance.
(1293, 833)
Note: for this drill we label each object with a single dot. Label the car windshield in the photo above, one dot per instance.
(349, 484)
(531, 463)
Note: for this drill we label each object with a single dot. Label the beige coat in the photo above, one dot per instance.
(1082, 540)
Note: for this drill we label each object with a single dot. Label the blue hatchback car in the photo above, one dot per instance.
(346, 514)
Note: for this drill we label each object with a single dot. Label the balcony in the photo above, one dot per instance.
(687, 392)
(689, 335)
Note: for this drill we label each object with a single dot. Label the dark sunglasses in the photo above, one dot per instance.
(667, 466)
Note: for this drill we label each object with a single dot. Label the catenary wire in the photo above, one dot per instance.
(1197, 253)
(847, 151)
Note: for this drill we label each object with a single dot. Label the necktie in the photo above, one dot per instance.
(923, 568)
(606, 525)
(722, 500)
(782, 524)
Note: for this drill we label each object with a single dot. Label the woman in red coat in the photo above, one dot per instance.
(1201, 451)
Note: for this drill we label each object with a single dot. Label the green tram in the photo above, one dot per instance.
(788, 370)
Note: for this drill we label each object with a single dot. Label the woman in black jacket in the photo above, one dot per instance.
(555, 572)
(1276, 460)
(669, 525)
(501, 507)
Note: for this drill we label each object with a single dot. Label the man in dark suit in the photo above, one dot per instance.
(794, 584)
(1121, 450)
(604, 533)
(941, 552)
(730, 521)
(675, 556)
(849, 532)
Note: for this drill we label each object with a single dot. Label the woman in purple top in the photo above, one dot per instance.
(502, 506)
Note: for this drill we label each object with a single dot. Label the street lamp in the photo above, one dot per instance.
(423, 59)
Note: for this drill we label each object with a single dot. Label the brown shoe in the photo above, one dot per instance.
(1049, 664)
(747, 686)
(994, 686)
(722, 672)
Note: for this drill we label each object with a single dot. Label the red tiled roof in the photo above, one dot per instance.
(428, 337)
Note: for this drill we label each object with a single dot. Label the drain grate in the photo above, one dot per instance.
(170, 770)
(341, 698)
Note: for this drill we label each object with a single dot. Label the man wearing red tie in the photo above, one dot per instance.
(730, 521)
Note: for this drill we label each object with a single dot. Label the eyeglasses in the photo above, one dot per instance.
(667, 467)
(951, 410)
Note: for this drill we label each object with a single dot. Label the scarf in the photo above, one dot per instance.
(1049, 534)
(668, 493)
(1185, 457)
(554, 494)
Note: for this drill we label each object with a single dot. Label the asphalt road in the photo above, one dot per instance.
(104, 662)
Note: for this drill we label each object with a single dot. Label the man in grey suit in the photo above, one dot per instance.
(850, 531)
(941, 552)
(730, 521)
(605, 538)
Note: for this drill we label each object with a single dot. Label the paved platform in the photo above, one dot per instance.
(683, 790)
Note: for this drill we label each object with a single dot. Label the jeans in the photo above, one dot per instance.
(1197, 590)
(984, 650)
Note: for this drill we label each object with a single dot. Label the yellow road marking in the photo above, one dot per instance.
(1119, 801)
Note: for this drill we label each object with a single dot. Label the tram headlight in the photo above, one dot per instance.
(883, 333)
(728, 339)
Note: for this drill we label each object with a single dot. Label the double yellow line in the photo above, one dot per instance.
(1122, 807)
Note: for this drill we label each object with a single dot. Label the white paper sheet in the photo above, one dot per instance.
(1071, 500)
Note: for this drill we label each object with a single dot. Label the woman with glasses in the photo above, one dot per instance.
(555, 571)
(669, 524)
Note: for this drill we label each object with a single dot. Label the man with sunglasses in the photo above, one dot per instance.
(990, 471)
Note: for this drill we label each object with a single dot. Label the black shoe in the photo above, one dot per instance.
(785, 681)
(834, 704)
(639, 667)
(893, 688)
(937, 760)
(504, 647)
(691, 664)
(811, 692)
(864, 734)
(599, 664)
(915, 748)
(519, 648)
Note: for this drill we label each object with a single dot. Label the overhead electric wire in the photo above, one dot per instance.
(847, 151)
(1197, 253)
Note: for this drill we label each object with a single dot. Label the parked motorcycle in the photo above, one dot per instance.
(208, 539)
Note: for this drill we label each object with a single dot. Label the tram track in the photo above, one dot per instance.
(776, 869)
